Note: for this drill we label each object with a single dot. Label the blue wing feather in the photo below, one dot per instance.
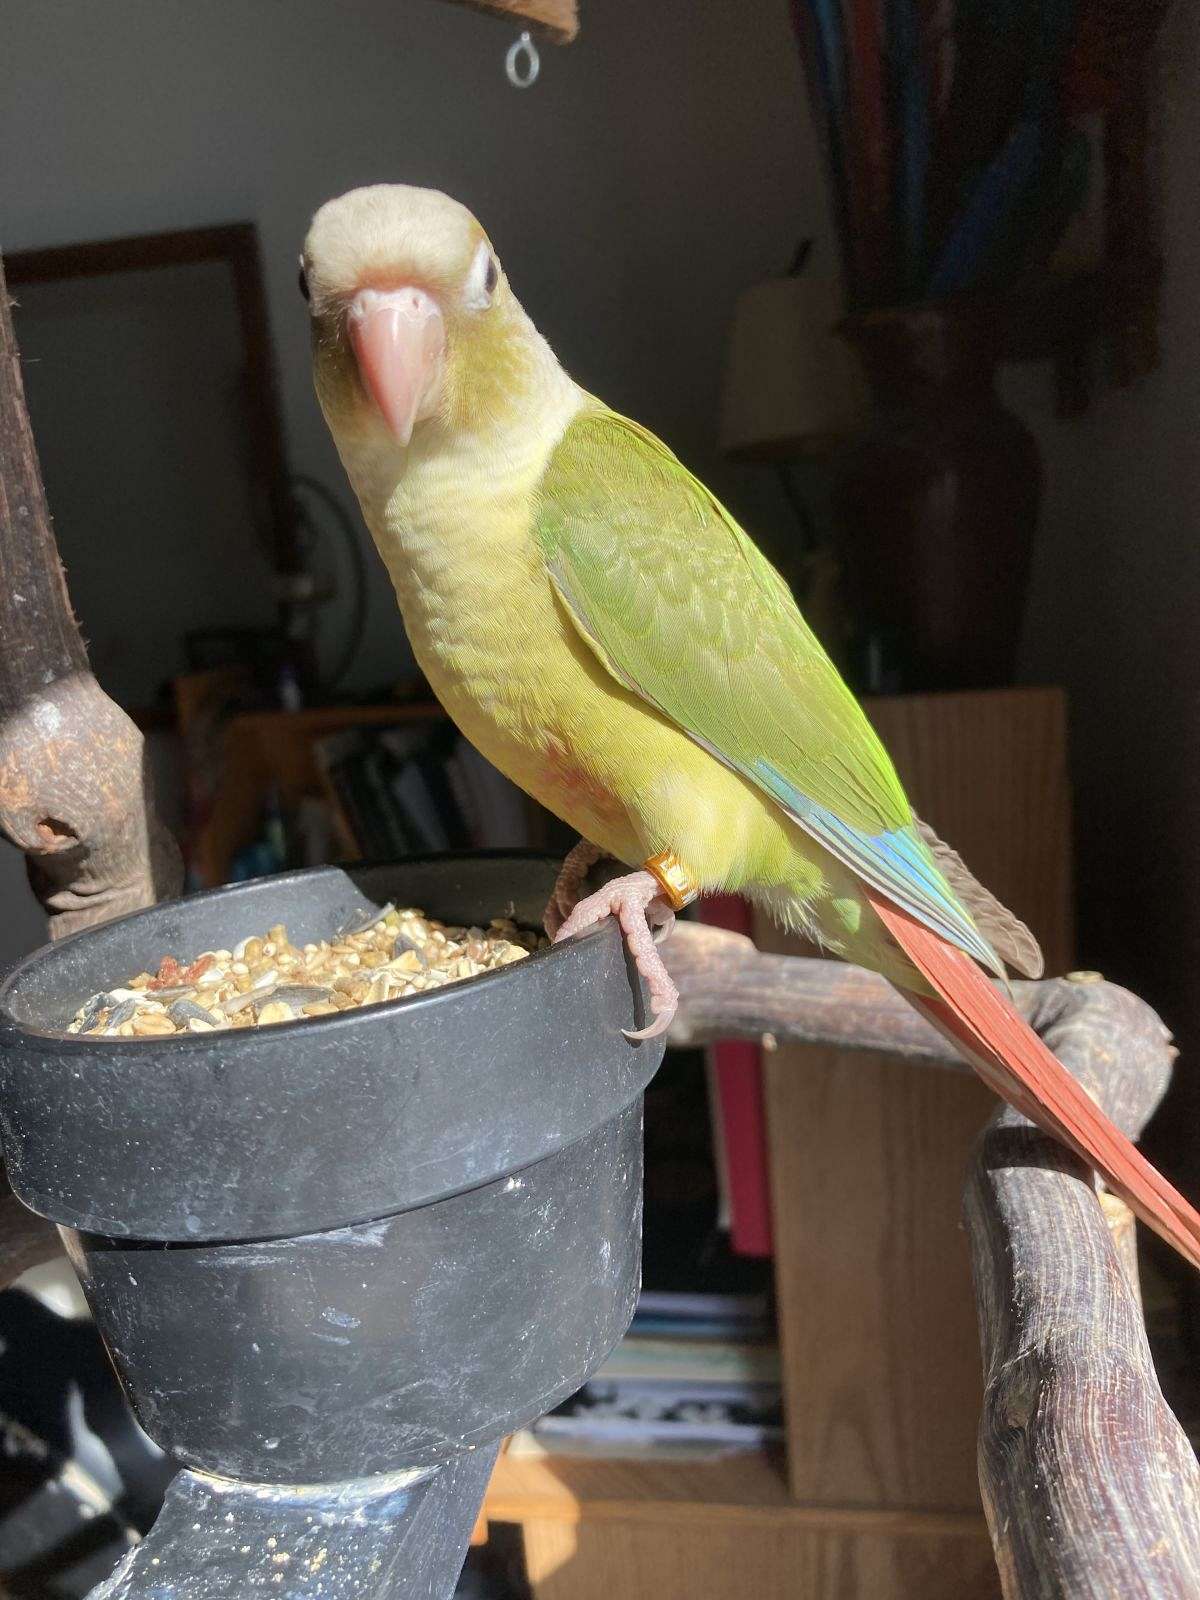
(897, 863)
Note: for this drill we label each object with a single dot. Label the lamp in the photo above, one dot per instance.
(792, 387)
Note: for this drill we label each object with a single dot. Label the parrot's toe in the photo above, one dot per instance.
(564, 897)
(637, 903)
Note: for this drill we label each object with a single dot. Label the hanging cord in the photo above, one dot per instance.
(311, 534)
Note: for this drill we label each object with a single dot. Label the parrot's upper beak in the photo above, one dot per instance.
(399, 339)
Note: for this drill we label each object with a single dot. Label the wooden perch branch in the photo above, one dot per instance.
(1089, 1483)
(729, 989)
(74, 792)
(1090, 1486)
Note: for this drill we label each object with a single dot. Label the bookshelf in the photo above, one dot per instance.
(265, 750)
(875, 1495)
(262, 749)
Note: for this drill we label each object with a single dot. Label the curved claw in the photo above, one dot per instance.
(637, 903)
(659, 1026)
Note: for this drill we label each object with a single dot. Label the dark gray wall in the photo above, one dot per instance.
(133, 382)
(661, 162)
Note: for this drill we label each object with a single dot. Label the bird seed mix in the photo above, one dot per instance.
(383, 956)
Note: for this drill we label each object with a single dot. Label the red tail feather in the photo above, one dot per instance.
(1012, 1060)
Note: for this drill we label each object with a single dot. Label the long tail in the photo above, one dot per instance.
(1013, 1061)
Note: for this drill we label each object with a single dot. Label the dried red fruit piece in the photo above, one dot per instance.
(168, 976)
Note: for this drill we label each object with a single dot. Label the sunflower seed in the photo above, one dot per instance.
(188, 1011)
(90, 1016)
(301, 994)
(363, 921)
(120, 1015)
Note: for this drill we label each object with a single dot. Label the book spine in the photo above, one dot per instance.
(343, 807)
(432, 769)
(390, 836)
(740, 1122)
(464, 800)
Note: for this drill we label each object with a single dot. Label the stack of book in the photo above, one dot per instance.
(696, 1375)
(409, 790)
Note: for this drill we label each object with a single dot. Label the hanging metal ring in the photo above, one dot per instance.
(522, 63)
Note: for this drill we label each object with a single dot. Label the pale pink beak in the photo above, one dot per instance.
(399, 338)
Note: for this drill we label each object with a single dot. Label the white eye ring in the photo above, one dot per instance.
(482, 279)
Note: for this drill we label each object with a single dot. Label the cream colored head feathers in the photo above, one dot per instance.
(414, 325)
(369, 237)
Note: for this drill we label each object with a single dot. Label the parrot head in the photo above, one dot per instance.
(414, 326)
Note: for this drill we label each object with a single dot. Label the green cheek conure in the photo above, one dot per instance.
(608, 636)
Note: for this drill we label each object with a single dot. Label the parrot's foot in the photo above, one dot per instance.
(577, 863)
(638, 904)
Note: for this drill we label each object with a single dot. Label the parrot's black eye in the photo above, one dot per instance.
(482, 278)
(303, 280)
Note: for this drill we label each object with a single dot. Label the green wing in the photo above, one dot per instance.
(683, 610)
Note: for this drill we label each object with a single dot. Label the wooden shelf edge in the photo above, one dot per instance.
(266, 747)
(747, 1488)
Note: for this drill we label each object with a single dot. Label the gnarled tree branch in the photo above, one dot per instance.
(74, 792)
(1090, 1486)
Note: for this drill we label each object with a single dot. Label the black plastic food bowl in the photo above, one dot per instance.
(343, 1246)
